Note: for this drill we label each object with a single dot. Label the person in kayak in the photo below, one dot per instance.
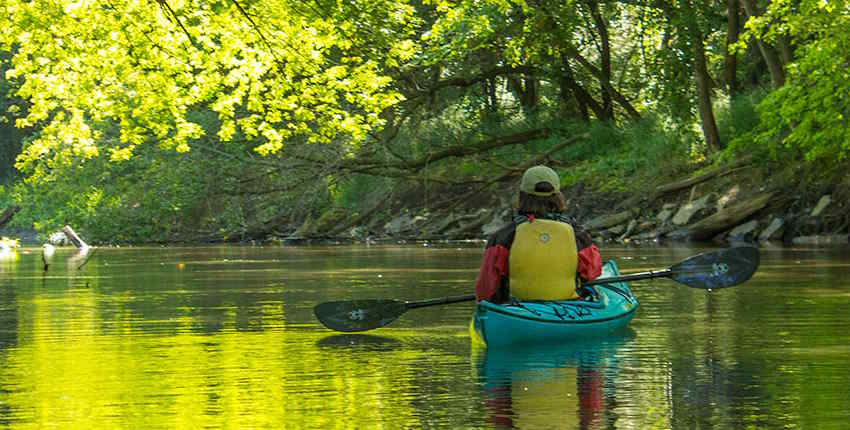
(542, 254)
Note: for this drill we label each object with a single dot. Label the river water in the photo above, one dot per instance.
(225, 337)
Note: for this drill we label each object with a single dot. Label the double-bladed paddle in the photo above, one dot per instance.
(708, 271)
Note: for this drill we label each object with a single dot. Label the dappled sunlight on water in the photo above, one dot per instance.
(226, 337)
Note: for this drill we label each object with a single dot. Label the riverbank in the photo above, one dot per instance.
(721, 202)
(738, 200)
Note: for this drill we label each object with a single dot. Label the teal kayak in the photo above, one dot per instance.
(554, 322)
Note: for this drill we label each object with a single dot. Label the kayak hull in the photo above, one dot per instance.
(554, 322)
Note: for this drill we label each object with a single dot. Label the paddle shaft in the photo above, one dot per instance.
(471, 297)
(440, 301)
(632, 277)
(709, 271)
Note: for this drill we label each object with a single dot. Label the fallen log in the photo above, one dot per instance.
(723, 220)
(610, 220)
(83, 248)
(833, 239)
(659, 191)
(72, 236)
(710, 174)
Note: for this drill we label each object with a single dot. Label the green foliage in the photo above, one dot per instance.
(141, 68)
(8, 246)
(618, 159)
(11, 137)
(108, 202)
(192, 120)
(808, 117)
(740, 116)
(158, 195)
(359, 191)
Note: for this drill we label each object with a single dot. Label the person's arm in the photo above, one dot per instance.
(492, 276)
(492, 282)
(589, 260)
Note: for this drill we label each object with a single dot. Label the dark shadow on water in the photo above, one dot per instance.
(368, 342)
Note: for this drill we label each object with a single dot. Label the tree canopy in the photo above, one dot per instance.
(141, 67)
(259, 105)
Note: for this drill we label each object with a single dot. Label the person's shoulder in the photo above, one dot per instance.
(579, 229)
(504, 235)
(583, 238)
(562, 217)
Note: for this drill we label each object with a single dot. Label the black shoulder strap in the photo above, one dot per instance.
(519, 219)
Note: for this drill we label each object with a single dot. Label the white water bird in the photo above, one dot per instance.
(8, 248)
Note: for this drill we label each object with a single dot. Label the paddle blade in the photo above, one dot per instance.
(718, 269)
(358, 315)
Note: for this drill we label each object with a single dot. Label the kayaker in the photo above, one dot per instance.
(542, 254)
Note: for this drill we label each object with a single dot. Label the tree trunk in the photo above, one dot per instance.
(731, 63)
(768, 52)
(567, 95)
(786, 52)
(618, 97)
(490, 86)
(569, 86)
(605, 59)
(606, 221)
(530, 84)
(525, 89)
(706, 112)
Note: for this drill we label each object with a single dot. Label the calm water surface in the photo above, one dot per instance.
(225, 337)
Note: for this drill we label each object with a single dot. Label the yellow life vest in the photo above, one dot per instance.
(543, 261)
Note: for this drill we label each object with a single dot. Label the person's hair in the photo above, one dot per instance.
(541, 205)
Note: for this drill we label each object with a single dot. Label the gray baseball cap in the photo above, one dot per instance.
(537, 174)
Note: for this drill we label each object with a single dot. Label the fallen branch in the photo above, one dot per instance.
(378, 168)
(480, 147)
(597, 73)
(463, 82)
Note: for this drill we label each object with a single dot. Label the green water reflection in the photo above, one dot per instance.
(225, 337)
